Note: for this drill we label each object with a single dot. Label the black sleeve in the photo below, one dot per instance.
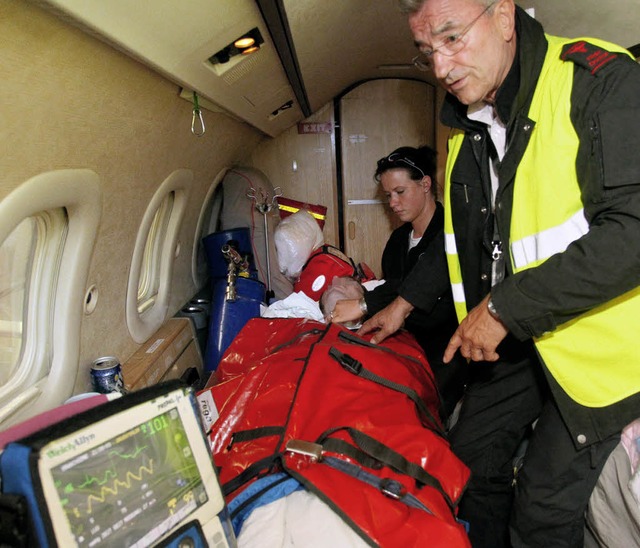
(429, 278)
(605, 262)
(423, 286)
(381, 296)
(419, 276)
(427, 287)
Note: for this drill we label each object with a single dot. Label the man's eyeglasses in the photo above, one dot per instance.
(451, 45)
(394, 158)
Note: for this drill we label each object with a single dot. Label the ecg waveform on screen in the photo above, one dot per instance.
(115, 480)
(110, 472)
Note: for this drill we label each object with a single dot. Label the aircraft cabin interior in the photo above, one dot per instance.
(156, 156)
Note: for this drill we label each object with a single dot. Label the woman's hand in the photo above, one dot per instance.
(388, 320)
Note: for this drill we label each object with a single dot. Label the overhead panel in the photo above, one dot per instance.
(178, 38)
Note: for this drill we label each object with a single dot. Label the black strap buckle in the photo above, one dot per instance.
(392, 488)
(347, 362)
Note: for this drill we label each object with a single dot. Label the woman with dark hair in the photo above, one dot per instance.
(416, 292)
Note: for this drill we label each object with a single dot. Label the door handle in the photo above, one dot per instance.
(352, 230)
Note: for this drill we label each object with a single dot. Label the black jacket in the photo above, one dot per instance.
(421, 277)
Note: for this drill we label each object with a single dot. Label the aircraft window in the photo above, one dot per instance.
(47, 227)
(27, 249)
(156, 247)
(150, 275)
(16, 257)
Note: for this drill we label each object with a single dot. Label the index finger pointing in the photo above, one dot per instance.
(452, 347)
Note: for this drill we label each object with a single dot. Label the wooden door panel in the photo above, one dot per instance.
(376, 118)
(362, 235)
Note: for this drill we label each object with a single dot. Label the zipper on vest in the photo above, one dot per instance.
(496, 252)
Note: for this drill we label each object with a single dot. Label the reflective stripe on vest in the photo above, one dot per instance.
(547, 216)
(455, 273)
(536, 248)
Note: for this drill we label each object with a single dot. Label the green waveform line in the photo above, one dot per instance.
(93, 479)
(137, 451)
(110, 471)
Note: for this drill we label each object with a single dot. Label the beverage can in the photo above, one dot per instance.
(106, 375)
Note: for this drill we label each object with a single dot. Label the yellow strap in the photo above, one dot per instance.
(296, 209)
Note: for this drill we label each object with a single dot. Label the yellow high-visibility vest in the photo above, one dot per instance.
(595, 357)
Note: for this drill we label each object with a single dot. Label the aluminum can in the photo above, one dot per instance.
(106, 375)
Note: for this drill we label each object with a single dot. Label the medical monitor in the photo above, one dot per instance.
(132, 477)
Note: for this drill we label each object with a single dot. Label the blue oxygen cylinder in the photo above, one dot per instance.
(229, 315)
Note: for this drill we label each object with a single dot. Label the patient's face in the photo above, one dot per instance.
(407, 198)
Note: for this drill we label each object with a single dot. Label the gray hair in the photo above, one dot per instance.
(412, 6)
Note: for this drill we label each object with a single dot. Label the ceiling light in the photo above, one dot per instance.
(244, 42)
(249, 42)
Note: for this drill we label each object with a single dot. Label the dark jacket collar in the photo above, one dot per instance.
(518, 87)
(435, 225)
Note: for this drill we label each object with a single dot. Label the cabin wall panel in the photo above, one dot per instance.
(314, 178)
(70, 101)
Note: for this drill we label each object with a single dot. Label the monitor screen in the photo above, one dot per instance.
(131, 478)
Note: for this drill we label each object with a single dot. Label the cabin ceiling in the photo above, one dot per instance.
(373, 34)
(313, 51)
(339, 43)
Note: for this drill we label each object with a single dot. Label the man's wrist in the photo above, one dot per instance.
(492, 310)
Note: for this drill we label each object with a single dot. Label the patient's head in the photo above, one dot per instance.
(341, 288)
(295, 238)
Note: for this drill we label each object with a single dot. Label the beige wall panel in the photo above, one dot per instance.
(376, 118)
(70, 101)
(313, 180)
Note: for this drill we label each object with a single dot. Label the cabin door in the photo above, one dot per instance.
(376, 118)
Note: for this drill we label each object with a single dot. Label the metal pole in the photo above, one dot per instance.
(266, 246)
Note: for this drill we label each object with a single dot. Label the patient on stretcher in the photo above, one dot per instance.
(309, 445)
(307, 439)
